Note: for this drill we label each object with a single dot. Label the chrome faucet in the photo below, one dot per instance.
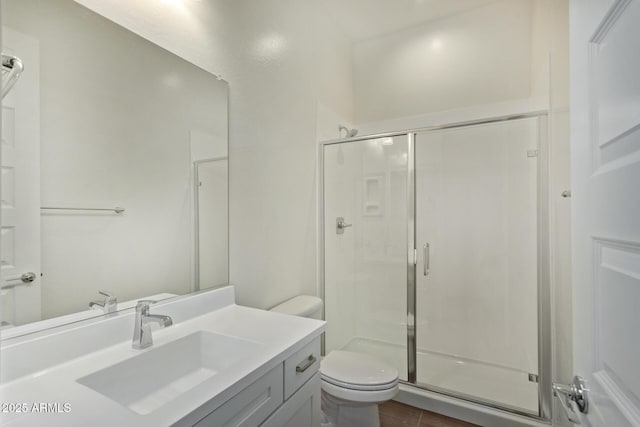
(142, 329)
(109, 304)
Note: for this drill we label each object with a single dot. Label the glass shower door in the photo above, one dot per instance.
(365, 247)
(476, 273)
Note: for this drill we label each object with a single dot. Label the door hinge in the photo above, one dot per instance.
(532, 153)
(415, 256)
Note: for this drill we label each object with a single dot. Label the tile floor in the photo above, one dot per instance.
(396, 414)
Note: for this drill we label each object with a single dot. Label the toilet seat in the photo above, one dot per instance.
(357, 371)
(358, 377)
(361, 387)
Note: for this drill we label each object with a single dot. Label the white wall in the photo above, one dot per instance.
(280, 58)
(479, 56)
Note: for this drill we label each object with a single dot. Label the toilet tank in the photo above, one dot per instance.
(302, 305)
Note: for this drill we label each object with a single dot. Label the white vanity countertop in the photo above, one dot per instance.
(279, 336)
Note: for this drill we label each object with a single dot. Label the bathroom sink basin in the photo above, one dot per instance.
(150, 380)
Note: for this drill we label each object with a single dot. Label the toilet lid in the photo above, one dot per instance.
(357, 371)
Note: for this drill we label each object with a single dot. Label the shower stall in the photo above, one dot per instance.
(435, 257)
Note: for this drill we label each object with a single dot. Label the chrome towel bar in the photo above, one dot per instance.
(117, 209)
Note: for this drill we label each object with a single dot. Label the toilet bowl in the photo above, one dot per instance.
(353, 384)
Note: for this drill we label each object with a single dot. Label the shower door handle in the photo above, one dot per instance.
(426, 256)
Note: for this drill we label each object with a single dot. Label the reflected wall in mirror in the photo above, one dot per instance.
(102, 118)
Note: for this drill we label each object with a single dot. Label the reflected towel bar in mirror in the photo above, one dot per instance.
(117, 209)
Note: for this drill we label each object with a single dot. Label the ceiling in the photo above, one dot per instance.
(364, 19)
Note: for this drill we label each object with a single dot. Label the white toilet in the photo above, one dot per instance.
(353, 384)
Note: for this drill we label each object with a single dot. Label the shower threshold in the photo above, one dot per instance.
(472, 380)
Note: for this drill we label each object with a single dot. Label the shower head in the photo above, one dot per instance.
(11, 69)
(350, 133)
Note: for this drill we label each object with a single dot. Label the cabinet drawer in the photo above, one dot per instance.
(301, 366)
(251, 406)
(302, 409)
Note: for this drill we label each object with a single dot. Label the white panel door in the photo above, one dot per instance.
(20, 232)
(605, 122)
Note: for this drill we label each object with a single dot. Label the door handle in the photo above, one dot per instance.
(341, 225)
(25, 279)
(426, 257)
(575, 392)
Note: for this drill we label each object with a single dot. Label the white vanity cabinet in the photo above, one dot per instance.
(288, 395)
(301, 389)
(251, 406)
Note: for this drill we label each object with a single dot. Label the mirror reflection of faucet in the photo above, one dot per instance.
(142, 337)
(109, 304)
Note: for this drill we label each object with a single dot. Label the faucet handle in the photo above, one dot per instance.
(108, 296)
(146, 301)
(143, 305)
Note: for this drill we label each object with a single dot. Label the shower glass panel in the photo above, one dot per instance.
(365, 247)
(477, 269)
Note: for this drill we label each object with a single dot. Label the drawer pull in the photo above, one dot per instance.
(306, 364)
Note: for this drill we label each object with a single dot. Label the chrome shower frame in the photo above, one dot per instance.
(545, 393)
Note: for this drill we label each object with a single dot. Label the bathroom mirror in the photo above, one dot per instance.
(114, 169)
